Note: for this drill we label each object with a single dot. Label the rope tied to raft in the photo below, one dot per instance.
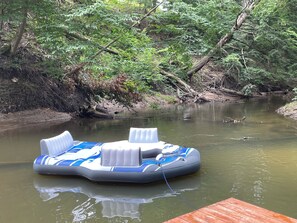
(165, 178)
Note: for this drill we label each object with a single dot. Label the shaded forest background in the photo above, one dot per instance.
(64, 54)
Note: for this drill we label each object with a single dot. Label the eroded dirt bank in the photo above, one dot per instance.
(28, 91)
(30, 98)
(29, 118)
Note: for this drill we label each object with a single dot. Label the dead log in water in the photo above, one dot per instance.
(94, 112)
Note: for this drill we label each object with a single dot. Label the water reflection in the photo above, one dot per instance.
(116, 201)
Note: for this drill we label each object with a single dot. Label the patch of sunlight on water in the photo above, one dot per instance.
(254, 161)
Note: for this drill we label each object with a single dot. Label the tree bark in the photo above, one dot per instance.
(1, 20)
(225, 39)
(15, 43)
(3, 6)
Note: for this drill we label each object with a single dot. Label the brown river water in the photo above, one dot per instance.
(254, 161)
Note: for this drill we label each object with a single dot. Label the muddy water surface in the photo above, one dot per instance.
(255, 161)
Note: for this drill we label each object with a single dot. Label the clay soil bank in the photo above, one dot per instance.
(29, 118)
(45, 116)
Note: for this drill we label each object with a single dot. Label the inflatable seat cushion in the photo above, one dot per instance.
(114, 156)
(56, 145)
(143, 135)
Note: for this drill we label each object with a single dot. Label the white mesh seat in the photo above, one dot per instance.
(143, 135)
(56, 145)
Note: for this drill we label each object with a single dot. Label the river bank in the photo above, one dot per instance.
(42, 116)
(30, 98)
(46, 116)
(30, 118)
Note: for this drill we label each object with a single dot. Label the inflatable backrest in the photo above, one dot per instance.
(112, 156)
(143, 135)
(56, 145)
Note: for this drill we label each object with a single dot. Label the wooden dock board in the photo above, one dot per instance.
(232, 210)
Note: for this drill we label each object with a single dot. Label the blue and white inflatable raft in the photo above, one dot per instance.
(141, 159)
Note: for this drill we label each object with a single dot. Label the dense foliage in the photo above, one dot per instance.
(261, 55)
(264, 53)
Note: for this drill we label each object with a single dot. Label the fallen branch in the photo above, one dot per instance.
(94, 112)
(187, 88)
(190, 92)
(238, 93)
(241, 17)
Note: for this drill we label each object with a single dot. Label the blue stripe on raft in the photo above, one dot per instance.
(78, 162)
(90, 159)
(44, 159)
(146, 163)
(57, 163)
(150, 161)
(65, 162)
(130, 169)
(141, 168)
(168, 159)
(184, 151)
(84, 145)
(40, 159)
(74, 150)
(164, 160)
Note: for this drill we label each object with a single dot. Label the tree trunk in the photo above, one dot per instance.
(3, 6)
(15, 43)
(1, 20)
(238, 23)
